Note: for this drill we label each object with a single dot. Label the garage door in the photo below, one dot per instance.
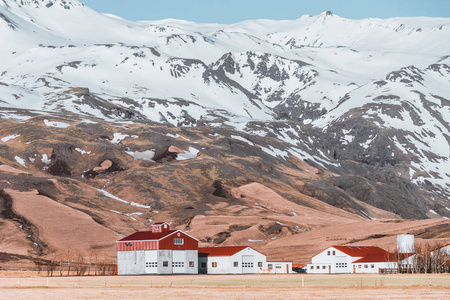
(178, 261)
(247, 264)
(279, 269)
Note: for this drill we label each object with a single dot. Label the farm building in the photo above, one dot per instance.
(159, 251)
(350, 259)
(237, 260)
(278, 267)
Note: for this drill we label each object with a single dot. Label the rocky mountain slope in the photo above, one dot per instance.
(242, 133)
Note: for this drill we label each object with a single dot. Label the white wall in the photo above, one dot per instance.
(165, 256)
(371, 268)
(130, 262)
(191, 256)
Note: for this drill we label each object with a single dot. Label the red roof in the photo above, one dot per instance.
(221, 251)
(160, 223)
(361, 251)
(147, 235)
(375, 257)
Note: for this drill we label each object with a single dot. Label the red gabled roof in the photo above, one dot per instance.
(221, 251)
(147, 235)
(361, 251)
(160, 223)
(375, 257)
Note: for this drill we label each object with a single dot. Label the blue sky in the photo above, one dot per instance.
(231, 11)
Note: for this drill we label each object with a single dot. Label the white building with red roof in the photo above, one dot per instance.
(159, 251)
(230, 260)
(351, 259)
(238, 260)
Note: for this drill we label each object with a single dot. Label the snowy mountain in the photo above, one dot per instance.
(355, 97)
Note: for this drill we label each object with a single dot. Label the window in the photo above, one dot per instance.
(366, 266)
(178, 264)
(236, 264)
(328, 253)
(259, 264)
(324, 267)
(359, 266)
(214, 264)
(151, 264)
(334, 252)
(165, 263)
(191, 264)
(341, 265)
(318, 267)
(203, 265)
(312, 267)
(156, 227)
(270, 266)
(372, 266)
(178, 241)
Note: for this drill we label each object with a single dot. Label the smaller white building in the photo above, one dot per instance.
(278, 267)
(230, 260)
(238, 260)
(350, 259)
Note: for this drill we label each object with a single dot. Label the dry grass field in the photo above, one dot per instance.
(29, 286)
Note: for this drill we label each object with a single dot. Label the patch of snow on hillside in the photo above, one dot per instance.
(175, 136)
(20, 161)
(109, 195)
(82, 151)
(275, 152)
(191, 154)
(56, 124)
(118, 137)
(237, 137)
(140, 205)
(145, 155)
(368, 142)
(10, 137)
(433, 212)
(45, 159)
(15, 116)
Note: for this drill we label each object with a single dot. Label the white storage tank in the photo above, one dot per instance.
(405, 243)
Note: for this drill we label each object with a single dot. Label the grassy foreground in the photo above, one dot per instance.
(423, 286)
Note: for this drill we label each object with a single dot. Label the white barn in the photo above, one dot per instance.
(230, 260)
(159, 251)
(238, 260)
(350, 259)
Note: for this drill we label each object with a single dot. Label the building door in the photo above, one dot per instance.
(278, 269)
(151, 262)
(247, 264)
(179, 262)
